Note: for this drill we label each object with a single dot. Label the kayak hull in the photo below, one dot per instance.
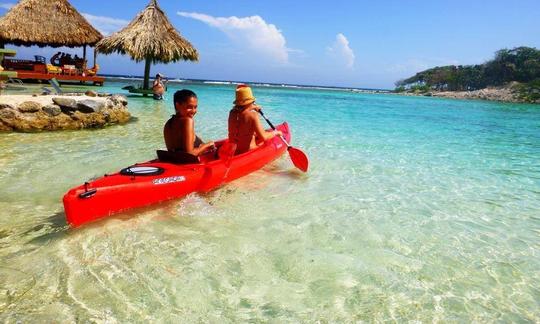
(121, 191)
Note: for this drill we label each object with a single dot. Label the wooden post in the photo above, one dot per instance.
(95, 56)
(147, 64)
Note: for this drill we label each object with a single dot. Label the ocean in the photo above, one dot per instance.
(414, 209)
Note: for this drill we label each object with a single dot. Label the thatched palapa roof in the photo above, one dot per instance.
(150, 36)
(52, 23)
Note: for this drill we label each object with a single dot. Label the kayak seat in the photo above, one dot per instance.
(177, 157)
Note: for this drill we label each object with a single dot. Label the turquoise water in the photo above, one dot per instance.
(414, 209)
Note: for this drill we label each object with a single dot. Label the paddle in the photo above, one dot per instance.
(298, 158)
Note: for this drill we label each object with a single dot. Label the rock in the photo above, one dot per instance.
(90, 106)
(6, 114)
(29, 107)
(94, 121)
(5, 128)
(119, 99)
(6, 106)
(91, 93)
(65, 113)
(52, 110)
(105, 94)
(65, 103)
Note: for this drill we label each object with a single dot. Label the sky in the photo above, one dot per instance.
(345, 43)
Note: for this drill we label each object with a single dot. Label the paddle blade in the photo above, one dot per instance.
(298, 158)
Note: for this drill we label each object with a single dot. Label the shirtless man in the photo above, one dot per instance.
(179, 131)
(158, 87)
(245, 128)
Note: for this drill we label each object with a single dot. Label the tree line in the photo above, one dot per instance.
(521, 64)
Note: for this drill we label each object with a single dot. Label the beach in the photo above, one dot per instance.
(414, 209)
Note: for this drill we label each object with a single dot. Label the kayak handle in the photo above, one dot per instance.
(87, 194)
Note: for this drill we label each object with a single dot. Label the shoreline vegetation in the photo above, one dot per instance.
(512, 76)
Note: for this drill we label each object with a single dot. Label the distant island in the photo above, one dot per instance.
(512, 76)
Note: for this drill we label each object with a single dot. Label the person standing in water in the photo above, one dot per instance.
(179, 131)
(245, 128)
(159, 87)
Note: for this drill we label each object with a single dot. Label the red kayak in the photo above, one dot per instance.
(155, 181)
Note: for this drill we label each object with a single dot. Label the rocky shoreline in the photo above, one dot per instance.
(70, 111)
(502, 94)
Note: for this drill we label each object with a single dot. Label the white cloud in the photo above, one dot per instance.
(341, 49)
(6, 6)
(106, 25)
(253, 32)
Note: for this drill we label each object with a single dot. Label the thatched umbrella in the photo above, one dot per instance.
(149, 37)
(52, 23)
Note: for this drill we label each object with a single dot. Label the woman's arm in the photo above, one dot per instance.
(203, 148)
(188, 138)
(260, 132)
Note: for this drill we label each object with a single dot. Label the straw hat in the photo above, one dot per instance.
(244, 96)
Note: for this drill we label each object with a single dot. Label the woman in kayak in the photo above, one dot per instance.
(245, 128)
(179, 131)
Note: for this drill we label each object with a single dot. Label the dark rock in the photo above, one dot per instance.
(91, 93)
(6, 106)
(90, 106)
(66, 104)
(6, 114)
(105, 94)
(29, 107)
(52, 110)
(119, 99)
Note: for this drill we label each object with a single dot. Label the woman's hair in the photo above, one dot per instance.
(183, 95)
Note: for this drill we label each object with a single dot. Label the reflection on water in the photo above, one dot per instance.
(414, 209)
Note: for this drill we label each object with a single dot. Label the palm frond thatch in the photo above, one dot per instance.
(150, 36)
(52, 23)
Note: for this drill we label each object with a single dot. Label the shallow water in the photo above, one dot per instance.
(414, 209)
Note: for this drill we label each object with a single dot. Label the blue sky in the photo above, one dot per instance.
(340, 43)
